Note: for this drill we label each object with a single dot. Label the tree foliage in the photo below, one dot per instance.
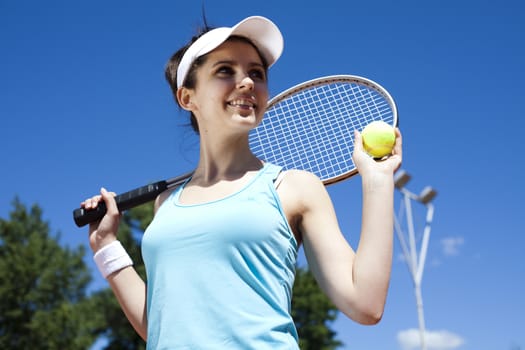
(313, 313)
(43, 303)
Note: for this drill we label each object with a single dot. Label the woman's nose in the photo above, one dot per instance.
(246, 83)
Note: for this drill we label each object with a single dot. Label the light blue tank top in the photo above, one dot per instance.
(220, 274)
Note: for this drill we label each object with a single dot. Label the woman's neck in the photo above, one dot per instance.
(225, 159)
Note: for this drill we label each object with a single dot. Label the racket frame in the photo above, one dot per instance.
(330, 79)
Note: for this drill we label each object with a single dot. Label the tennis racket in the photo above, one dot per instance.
(309, 126)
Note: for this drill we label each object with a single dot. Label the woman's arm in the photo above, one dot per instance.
(127, 285)
(356, 281)
(130, 291)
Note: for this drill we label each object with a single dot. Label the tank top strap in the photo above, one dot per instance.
(272, 171)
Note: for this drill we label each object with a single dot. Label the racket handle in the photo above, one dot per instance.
(125, 201)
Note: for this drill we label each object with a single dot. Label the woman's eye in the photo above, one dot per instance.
(257, 74)
(228, 71)
(225, 70)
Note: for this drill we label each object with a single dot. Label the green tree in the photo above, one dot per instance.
(43, 303)
(311, 309)
(313, 313)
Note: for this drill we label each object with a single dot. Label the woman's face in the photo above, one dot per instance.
(231, 92)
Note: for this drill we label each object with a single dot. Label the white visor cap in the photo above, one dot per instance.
(262, 32)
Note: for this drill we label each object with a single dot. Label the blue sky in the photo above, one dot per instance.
(83, 103)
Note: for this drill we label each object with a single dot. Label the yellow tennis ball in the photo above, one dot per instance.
(378, 139)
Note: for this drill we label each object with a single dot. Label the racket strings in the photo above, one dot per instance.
(312, 129)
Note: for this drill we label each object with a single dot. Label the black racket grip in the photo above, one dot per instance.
(125, 201)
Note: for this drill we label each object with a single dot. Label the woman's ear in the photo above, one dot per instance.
(185, 97)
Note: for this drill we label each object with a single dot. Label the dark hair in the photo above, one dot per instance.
(170, 71)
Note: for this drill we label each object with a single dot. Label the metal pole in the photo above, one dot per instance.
(420, 316)
(424, 243)
(415, 263)
(411, 235)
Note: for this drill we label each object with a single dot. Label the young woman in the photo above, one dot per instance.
(221, 250)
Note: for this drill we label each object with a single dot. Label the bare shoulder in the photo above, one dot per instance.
(308, 206)
(301, 181)
(297, 190)
(301, 177)
(301, 187)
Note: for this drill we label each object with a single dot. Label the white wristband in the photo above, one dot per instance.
(111, 258)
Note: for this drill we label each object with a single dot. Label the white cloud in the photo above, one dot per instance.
(451, 245)
(435, 340)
